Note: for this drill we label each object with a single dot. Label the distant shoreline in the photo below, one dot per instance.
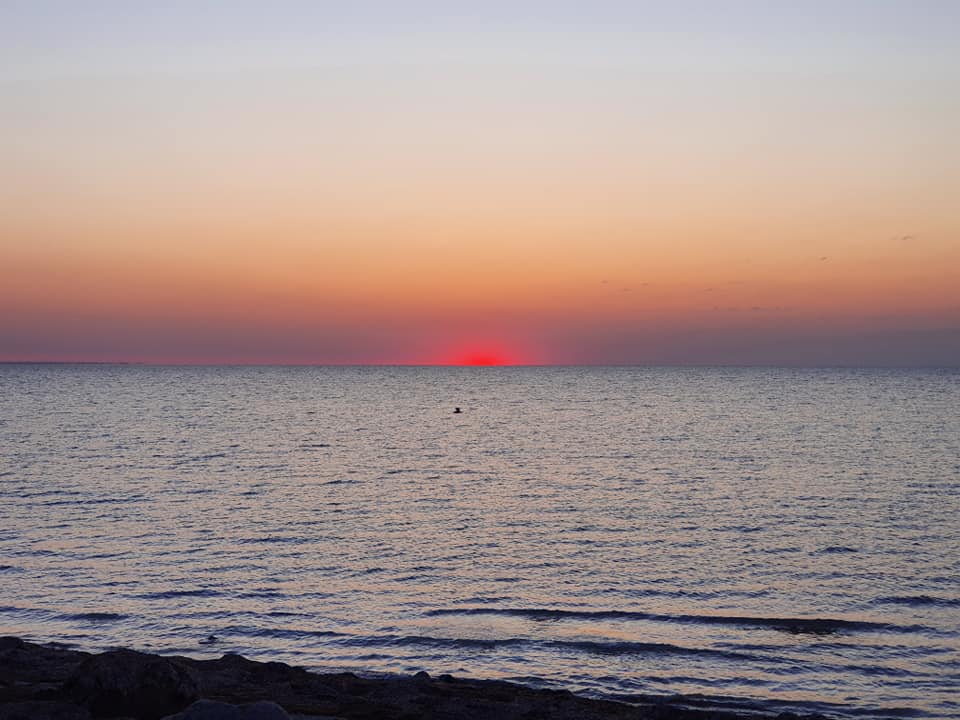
(70, 362)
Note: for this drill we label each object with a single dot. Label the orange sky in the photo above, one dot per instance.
(692, 202)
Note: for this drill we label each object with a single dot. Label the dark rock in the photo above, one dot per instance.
(124, 682)
(42, 710)
(11, 643)
(213, 710)
(148, 687)
(31, 672)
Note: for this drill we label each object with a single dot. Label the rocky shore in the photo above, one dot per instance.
(48, 682)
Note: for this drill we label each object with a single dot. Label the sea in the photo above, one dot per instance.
(750, 539)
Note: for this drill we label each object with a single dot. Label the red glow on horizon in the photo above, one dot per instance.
(481, 359)
(484, 353)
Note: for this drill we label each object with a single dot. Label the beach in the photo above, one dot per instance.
(45, 682)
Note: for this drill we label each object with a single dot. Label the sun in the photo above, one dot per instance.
(486, 351)
(478, 353)
(481, 359)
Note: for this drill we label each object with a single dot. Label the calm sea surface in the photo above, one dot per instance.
(782, 538)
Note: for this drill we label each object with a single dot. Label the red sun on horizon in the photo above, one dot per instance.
(480, 359)
(485, 354)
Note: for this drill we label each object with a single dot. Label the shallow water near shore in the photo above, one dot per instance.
(789, 539)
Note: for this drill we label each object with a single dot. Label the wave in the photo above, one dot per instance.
(918, 601)
(589, 646)
(273, 539)
(641, 648)
(593, 647)
(94, 616)
(279, 633)
(200, 458)
(816, 626)
(47, 615)
(169, 594)
(697, 594)
(93, 501)
(45, 493)
(835, 549)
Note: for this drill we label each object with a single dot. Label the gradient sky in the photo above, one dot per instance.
(526, 182)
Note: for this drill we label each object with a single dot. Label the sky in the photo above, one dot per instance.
(697, 183)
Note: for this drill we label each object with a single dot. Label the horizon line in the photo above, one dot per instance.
(146, 363)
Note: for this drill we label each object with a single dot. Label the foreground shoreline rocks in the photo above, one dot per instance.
(49, 682)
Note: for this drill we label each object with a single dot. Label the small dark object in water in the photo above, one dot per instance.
(457, 411)
(210, 640)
